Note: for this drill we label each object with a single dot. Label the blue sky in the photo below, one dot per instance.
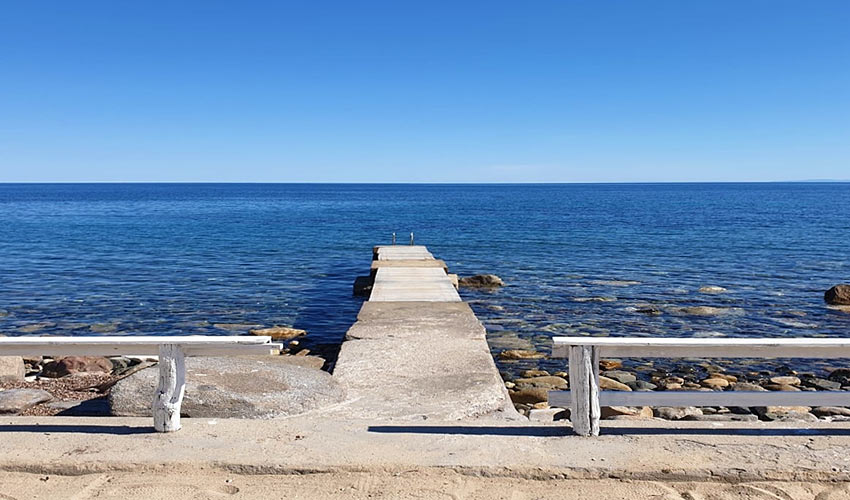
(544, 91)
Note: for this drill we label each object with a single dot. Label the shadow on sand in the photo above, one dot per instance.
(123, 430)
(552, 431)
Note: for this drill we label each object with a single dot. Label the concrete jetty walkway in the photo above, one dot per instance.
(417, 351)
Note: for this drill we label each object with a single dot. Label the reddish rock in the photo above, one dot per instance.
(70, 365)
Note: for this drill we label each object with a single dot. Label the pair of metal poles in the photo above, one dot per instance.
(411, 238)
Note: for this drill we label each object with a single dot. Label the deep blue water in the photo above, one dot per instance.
(180, 258)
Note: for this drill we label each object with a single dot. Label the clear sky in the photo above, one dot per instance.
(431, 91)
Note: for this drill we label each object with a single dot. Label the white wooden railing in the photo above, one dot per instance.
(585, 399)
(171, 351)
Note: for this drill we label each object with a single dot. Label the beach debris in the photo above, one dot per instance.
(12, 368)
(481, 281)
(70, 365)
(839, 295)
(14, 401)
(279, 332)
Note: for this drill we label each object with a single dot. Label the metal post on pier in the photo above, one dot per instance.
(411, 238)
(393, 238)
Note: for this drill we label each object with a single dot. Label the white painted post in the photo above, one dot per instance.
(172, 385)
(584, 390)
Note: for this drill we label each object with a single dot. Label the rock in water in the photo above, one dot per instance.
(279, 332)
(70, 365)
(481, 281)
(711, 289)
(14, 401)
(12, 368)
(519, 354)
(839, 295)
(233, 387)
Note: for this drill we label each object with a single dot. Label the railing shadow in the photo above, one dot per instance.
(121, 430)
(562, 431)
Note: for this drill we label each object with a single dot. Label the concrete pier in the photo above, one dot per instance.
(417, 351)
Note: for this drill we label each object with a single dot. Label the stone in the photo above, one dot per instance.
(712, 289)
(821, 384)
(14, 401)
(650, 311)
(746, 386)
(841, 375)
(702, 310)
(12, 369)
(724, 376)
(279, 332)
(519, 354)
(787, 380)
(610, 364)
(622, 411)
(233, 387)
(715, 383)
(620, 376)
(529, 395)
(830, 411)
(481, 281)
(781, 387)
(642, 385)
(612, 385)
(534, 373)
(543, 415)
(547, 382)
(787, 413)
(70, 365)
(676, 413)
(839, 295)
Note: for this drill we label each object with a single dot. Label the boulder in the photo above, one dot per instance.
(481, 281)
(534, 373)
(14, 401)
(70, 365)
(279, 332)
(612, 385)
(234, 387)
(610, 364)
(12, 368)
(715, 383)
(831, 411)
(530, 395)
(677, 413)
(546, 382)
(621, 376)
(839, 295)
(841, 375)
(785, 380)
(608, 412)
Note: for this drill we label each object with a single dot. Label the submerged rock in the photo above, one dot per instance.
(519, 354)
(712, 289)
(839, 295)
(279, 332)
(234, 387)
(481, 281)
(14, 401)
(702, 310)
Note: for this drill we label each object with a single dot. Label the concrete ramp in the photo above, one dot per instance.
(417, 351)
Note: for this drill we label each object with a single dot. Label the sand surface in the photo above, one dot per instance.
(425, 484)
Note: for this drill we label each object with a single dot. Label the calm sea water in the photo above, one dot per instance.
(578, 259)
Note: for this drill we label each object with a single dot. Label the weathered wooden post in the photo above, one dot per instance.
(584, 390)
(169, 392)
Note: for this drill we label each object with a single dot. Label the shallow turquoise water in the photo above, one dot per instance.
(180, 258)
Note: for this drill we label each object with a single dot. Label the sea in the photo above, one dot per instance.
(648, 260)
